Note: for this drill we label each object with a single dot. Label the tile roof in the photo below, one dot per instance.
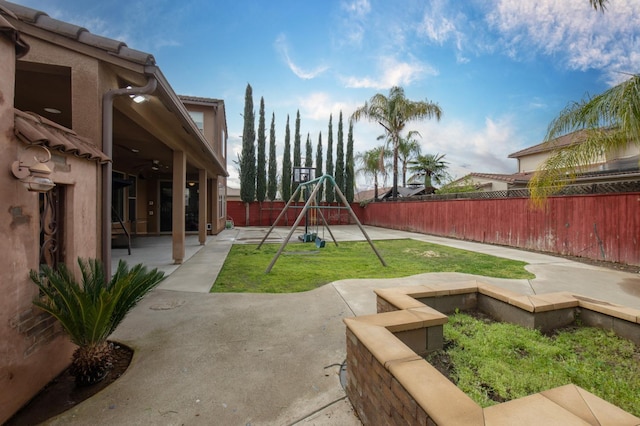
(10, 32)
(511, 178)
(41, 20)
(37, 130)
(562, 141)
(197, 99)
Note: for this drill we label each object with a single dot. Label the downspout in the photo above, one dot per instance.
(107, 168)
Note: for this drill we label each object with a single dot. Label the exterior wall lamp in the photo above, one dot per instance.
(34, 176)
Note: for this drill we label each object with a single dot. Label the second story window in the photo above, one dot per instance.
(198, 118)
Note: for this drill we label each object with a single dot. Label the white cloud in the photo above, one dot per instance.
(319, 105)
(392, 72)
(572, 31)
(355, 14)
(281, 45)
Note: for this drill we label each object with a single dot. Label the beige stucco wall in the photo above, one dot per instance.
(32, 348)
(495, 184)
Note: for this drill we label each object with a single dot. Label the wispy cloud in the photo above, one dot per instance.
(573, 32)
(392, 72)
(355, 14)
(282, 46)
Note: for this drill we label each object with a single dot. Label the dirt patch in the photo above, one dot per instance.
(61, 394)
(422, 253)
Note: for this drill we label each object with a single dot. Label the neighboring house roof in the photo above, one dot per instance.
(368, 194)
(578, 136)
(36, 130)
(405, 192)
(511, 178)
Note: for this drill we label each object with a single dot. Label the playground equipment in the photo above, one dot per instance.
(315, 185)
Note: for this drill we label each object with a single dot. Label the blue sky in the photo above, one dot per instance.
(501, 70)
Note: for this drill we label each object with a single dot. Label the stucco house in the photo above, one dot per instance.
(93, 139)
(615, 168)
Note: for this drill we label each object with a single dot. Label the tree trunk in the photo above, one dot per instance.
(246, 214)
(394, 192)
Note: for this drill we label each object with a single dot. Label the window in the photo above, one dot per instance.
(198, 118)
(222, 205)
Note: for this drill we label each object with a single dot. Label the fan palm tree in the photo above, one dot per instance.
(432, 167)
(610, 122)
(89, 312)
(393, 113)
(372, 163)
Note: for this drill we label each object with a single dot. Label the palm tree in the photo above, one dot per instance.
(609, 122)
(408, 150)
(393, 113)
(432, 167)
(91, 311)
(372, 162)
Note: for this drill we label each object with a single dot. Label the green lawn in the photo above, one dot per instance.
(302, 267)
(494, 361)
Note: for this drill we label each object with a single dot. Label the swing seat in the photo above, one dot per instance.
(320, 242)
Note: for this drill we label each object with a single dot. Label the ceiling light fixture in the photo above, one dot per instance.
(52, 110)
(137, 98)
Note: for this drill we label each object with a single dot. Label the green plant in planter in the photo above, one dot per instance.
(91, 310)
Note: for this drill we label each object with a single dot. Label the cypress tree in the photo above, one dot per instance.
(286, 164)
(340, 157)
(308, 159)
(297, 153)
(319, 164)
(248, 159)
(261, 172)
(329, 194)
(349, 171)
(272, 186)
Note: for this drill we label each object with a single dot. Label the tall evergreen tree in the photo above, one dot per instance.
(286, 164)
(329, 194)
(248, 158)
(339, 172)
(308, 158)
(297, 153)
(319, 164)
(261, 166)
(272, 186)
(349, 171)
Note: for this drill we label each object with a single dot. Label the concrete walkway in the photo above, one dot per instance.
(259, 359)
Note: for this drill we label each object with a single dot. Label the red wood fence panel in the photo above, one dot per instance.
(602, 227)
(265, 214)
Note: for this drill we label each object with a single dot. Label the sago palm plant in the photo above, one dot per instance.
(91, 310)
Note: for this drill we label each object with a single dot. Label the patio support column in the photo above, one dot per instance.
(179, 184)
(202, 207)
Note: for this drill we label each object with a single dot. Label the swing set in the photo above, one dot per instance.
(311, 187)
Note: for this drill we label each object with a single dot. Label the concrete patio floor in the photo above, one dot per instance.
(266, 359)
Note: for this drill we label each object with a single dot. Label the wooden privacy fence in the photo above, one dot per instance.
(602, 227)
(265, 213)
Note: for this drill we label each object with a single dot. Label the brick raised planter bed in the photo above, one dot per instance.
(389, 382)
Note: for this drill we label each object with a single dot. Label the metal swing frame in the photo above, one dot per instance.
(317, 184)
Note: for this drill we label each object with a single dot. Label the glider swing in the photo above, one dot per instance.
(303, 173)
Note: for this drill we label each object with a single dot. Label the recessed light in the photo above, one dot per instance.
(135, 150)
(53, 110)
